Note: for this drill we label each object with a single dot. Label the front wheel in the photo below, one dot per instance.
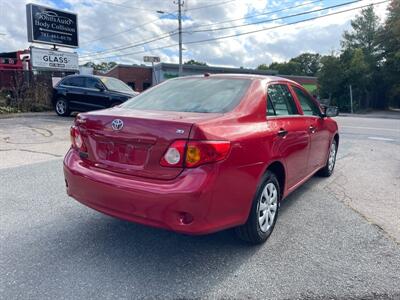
(61, 107)
(263, 213)
(327, 170)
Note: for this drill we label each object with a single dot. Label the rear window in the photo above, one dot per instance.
(211, 95)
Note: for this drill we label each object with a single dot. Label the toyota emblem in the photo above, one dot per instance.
(117, 124)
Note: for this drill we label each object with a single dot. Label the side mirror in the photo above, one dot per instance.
(99, 86)
(330, 111)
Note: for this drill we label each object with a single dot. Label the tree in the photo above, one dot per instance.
(364, 33)
(362, 43)
(330, 77)
(390, 44)
(101, 67)
(194, 62)
(306, 64)
(309, 63)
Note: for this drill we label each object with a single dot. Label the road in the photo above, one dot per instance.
(336, 238)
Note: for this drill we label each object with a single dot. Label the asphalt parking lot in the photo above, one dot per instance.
(336, 238)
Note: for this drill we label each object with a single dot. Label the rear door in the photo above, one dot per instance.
(292, 137)
(319, 134)
(74, 91)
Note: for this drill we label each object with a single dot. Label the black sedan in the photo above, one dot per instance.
(87, 92)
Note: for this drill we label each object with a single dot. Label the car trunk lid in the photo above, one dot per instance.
(137, 147)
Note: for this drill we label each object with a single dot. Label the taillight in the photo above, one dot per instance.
(174, 155)
(76, 139)
(195, 153)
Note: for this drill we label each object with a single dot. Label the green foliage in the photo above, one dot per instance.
(101, 67)
(194, 62)
(306, 64)
(369, 62)
(390, 44)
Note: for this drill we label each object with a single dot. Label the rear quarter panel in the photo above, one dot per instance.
(251, 152)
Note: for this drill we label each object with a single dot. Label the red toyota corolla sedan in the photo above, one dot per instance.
(203, 153)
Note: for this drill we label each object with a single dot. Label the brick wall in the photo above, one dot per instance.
(139, 78)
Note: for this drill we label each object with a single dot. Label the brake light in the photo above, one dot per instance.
(195, 153)
(202, 152)
(76, 139)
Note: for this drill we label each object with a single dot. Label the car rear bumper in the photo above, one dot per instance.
(182, 204)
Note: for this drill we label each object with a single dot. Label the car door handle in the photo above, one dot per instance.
(282, 132)
(312, 129)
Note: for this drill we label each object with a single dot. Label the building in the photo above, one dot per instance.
(137, 77)
(142, 77)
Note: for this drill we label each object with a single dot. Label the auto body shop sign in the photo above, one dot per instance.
(51, 26)
(50, 59)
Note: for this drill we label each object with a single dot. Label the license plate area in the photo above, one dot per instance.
(122, 153)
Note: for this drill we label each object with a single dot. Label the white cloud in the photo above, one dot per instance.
(99, 18)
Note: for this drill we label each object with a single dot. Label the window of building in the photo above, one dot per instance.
(146, 85)
(132, 85)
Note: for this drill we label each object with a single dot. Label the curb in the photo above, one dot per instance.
(28, 114)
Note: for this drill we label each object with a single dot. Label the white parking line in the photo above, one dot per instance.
(380, 138)
(371, 128)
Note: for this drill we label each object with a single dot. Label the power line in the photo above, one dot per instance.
(125, 6)
(255, 15)
(153, 21)
(275, 19)
(125, 31)
(210, 5)
(136, 44)
(249, 32)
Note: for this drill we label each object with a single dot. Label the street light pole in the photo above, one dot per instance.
(180, 4)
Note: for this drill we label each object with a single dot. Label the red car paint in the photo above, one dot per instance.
(135, 186)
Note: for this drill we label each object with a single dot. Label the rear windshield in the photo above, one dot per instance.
(203, 95)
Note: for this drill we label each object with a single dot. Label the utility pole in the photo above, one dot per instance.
(351, 99)
(180, 4)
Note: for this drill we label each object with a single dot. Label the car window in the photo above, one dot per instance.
(280, 101)
(91, 82)
(76, 81)
(65, 81)
(203, 95)
(114, 84)
(307, 104)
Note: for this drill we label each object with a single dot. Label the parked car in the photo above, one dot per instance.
(86, 92)
(201, 154)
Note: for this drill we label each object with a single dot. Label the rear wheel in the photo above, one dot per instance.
(263, 213)
(330, 163)
(61, 107)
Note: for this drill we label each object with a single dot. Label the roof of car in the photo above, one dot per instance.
(267, 78)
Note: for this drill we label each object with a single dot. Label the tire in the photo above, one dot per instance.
(327, 170)
(256, 230)
(61, 107)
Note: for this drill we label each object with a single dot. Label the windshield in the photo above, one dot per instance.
(204, 95)
(115, 85)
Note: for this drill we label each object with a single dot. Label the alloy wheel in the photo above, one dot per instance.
(61, 107)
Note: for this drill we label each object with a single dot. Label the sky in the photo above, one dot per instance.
(106, 26)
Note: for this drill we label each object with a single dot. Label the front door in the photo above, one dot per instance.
(292, 136)
(319, 134)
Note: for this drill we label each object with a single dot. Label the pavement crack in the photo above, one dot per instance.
(42, 131)
(32, 151)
